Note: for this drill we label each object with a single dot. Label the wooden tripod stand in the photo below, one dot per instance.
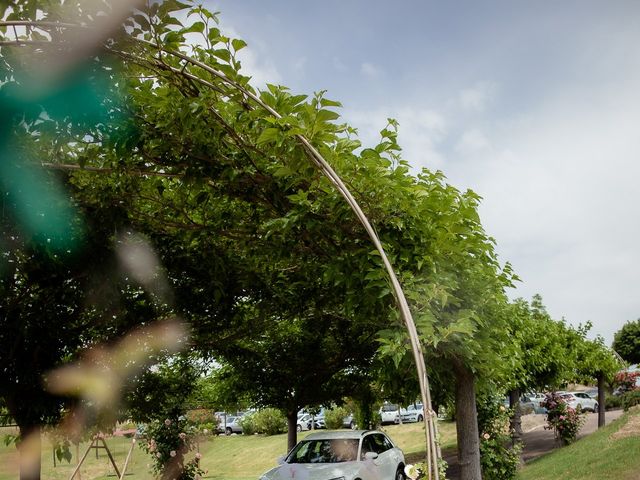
(98, 443)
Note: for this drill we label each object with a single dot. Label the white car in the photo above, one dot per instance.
(389, 413)
(580, 400)
(230, 425)
(536, 398)
(303, 422)
(341, 455)
(413, 413)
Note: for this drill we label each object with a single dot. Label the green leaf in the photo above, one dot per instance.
(268, 135)
(197, 27)
(329, 103)
(326, 116)
(223, 54)
(238, 44)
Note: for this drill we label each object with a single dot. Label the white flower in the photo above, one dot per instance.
(198, 455)
(486, 436)
(172, 453)
(412, 472)
(167, 422)
(182, 435)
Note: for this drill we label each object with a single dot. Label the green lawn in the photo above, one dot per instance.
(601, 456)
(236, 457)
(93, 468)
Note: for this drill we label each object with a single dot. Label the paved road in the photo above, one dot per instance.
(540, 441)
(537, 442)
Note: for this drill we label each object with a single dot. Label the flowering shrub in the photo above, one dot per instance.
(564, 420)
(168, 443)
(498, 461)
(420, 470)
(626, 381)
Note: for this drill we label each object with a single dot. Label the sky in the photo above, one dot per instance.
(533, 105)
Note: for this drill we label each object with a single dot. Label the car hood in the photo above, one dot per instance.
(319, 471)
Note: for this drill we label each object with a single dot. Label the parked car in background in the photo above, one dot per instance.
(304, 421)
(318, 421)
(413, 413)
(532, 402)
(229, 425)
(340, 454)
(579, 400)
(592, 392)
(305, 417)
(349, 422)
(389, 413)
(536, 397)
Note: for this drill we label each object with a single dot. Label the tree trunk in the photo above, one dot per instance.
(30, 448)
(516, 418)
(292, 429)
(601, 401)
(467, 424)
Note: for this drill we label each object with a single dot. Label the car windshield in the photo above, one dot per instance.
(325, 451)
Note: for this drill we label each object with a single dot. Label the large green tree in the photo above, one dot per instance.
(626, 341)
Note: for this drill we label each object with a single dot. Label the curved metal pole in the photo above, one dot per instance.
(430, 420)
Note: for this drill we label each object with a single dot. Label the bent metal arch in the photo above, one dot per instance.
(430, 420)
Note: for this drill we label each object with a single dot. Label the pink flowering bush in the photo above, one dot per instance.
(626, 381)
(564, 420)
(498, 458)
(169, 443)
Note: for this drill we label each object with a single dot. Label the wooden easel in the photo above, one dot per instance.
(95, 443)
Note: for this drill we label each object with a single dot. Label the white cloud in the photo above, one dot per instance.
(559, 190)
(339, 65)
(255, 58)
(419, 133)
(369, 69)
(473, 141)
(477, 97)
(261, 69)
(300, 64)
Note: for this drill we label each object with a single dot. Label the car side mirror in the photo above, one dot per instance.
(280, 459)
(370, 456)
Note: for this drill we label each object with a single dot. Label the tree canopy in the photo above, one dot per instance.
(626, 341)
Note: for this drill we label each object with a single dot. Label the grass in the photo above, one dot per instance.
(93, 468)
(236, 457)
(602, 455)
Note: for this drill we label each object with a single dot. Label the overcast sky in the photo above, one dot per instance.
(533, 105)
